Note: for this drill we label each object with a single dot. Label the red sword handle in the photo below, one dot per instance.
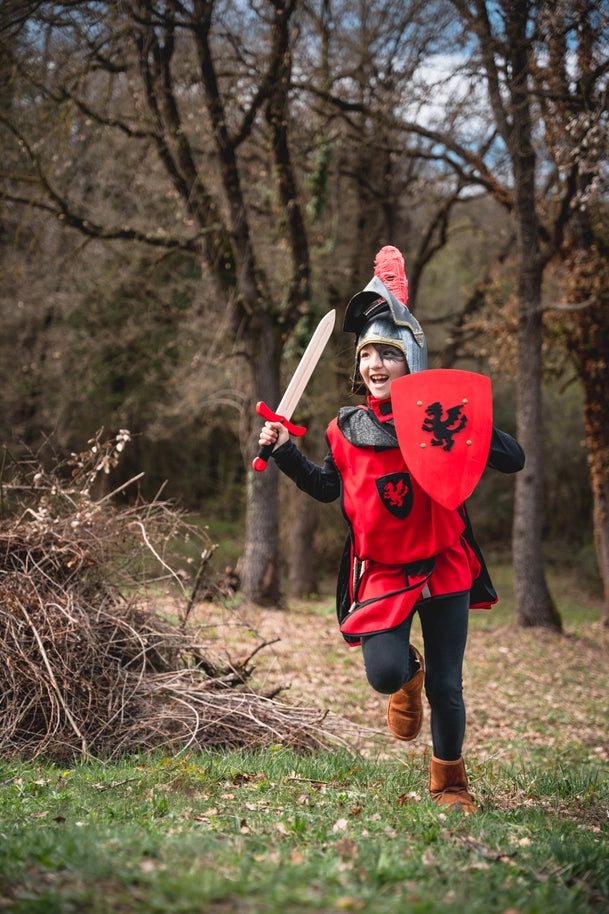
(263, 410)
(259, 462)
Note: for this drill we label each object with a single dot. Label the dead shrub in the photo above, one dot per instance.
(92, 664)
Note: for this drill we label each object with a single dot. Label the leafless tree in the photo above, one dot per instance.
(511, 158)
(573, 88)
(200, 92)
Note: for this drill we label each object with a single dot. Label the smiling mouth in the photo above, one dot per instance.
(379, 379)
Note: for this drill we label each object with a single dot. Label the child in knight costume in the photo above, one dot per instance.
(406, 552)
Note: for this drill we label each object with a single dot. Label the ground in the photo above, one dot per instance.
(526, 690)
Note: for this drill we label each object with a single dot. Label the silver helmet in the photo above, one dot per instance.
(375, 315)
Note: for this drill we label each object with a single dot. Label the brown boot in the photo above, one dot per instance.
(448, 785)
(405, 708)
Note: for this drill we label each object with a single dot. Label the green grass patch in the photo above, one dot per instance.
(278, 832)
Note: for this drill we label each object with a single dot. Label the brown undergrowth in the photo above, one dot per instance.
(92, 663)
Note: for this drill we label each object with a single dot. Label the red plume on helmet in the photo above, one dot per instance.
(389, 267)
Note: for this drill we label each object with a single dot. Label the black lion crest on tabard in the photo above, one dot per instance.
(395, 490)
(444, 429)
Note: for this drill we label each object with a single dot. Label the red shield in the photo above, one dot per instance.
(444, 420)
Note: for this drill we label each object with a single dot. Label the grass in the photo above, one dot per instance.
(259, 832)
(276, 832)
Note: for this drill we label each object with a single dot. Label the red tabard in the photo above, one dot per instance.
(394, 524)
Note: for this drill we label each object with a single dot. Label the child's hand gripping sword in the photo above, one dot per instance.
(295, 388)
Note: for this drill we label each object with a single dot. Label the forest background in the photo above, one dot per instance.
(188, 187)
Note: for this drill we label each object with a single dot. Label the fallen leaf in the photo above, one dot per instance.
(429, 858)
(347, 848)
(347, 903)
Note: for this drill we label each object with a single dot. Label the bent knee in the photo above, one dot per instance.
(386, 681)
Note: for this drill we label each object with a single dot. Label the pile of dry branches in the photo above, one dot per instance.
(90, 664)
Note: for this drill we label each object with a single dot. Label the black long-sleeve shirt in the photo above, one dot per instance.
(323, 482)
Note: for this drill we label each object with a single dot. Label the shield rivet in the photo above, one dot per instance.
(468, 443)
(423, 444)
(465, 399)
(419, 403)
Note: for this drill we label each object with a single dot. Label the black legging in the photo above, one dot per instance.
(387, 661)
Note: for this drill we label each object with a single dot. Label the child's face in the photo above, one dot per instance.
(379, 364)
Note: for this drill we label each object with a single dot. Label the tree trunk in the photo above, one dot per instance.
(510, 100)
(304, 518)
(304, 513)
(258, 566)
(534, 604)
(601, 539)
(588, 344)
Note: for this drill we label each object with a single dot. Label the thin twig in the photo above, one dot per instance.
(205, 558)
(114, 492)
(56, 688)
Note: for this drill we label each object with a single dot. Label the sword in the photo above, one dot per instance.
(295, 388)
